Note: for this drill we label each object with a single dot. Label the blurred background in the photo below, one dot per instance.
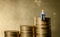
(14, 13)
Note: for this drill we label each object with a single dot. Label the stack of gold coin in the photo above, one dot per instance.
(26, 31)
(11, 33)
(43, 27)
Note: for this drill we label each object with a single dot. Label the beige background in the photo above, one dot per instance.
(14, 13)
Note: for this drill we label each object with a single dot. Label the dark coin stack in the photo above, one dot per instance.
(26, 31)
(43, 28)
(11, 33)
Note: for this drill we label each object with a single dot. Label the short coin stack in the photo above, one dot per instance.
(11, 33)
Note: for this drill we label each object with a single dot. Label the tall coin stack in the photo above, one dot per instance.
(11, 33)
(43, 27)
(26, 31)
